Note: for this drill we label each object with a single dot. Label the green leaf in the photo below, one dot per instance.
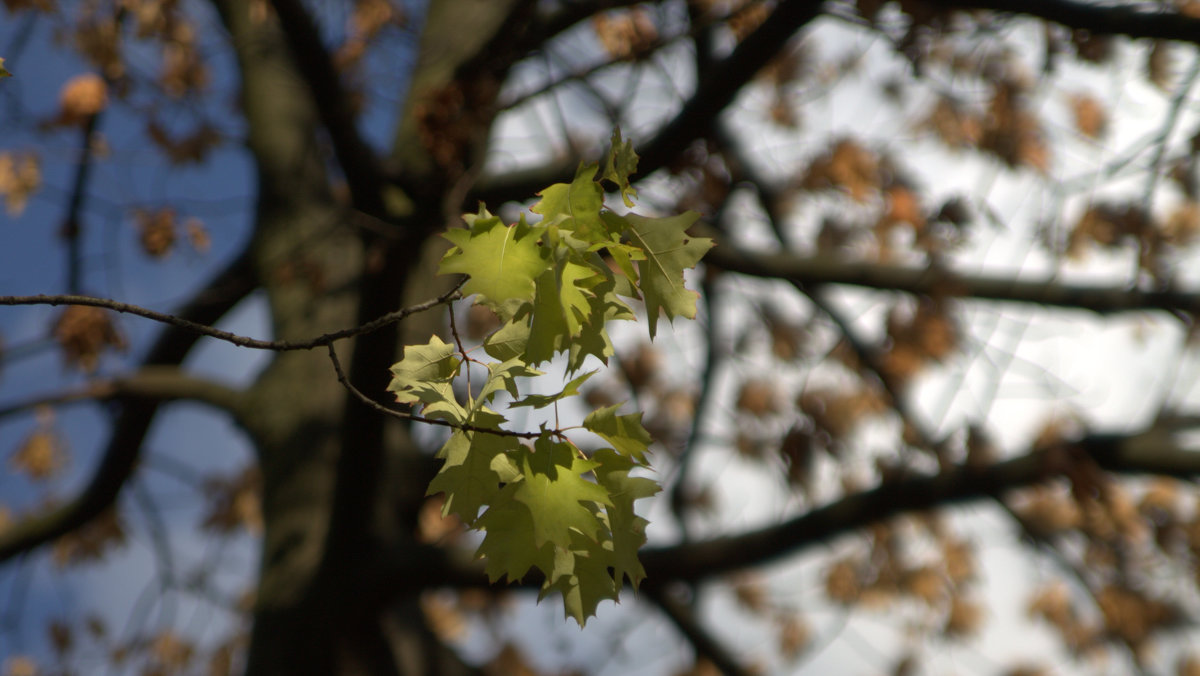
(502, 261)
(422, 365)
(4, 71)
(502, 376)
(628, 529)
(620, 164)
(669, 251)
(555, 490)
(575, 206)
(624, 432)
(543, 400)
(581, 575)
(475, 466)
(508, 543)
(510, 340)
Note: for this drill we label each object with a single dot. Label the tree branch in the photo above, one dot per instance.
(712, 95)
(124, 445)
(1143, 453)
(359, 163)
(232, 338)
(161, 383)
(827, 270)
(1135, 21)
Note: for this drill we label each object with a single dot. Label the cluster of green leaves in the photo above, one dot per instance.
(547, 504)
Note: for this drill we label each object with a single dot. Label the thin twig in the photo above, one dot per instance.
(233, 338)
(403, 415)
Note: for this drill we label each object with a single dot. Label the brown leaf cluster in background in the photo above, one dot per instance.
(235, 502)
(184, 70)
(706, 177)
(749, 15)
(1159, 65)
(836, 414)
(626, 34)
(80, 98)
(953, 124)
(183, 149)
(43, 452)
(1092, 47)
(20, 178)
(91, 541)
(793, 633)
(929, 334)
(1089, 114)
(1011, 132)
(887, 573)
(158, 230)
(758, 398)
(367, 20)
(97, 37)
(83, 333)
(449, 117)
(847, 166)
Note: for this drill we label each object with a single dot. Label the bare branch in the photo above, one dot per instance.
(233, 338)
(704, 643)
(1134, 20)
(931, 281)
(699, 112)
(359, 163)
(1143, 453)
(162, 383)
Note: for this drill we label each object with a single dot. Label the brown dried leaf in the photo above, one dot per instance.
(433, 526)
(509, 662)
(197, 235)
(1132, 616)
(170, 651)
(848, 166)
(1092, 47)
(20, 177)
(748, 18)
(1091, 119)
(156, 230)
(42, 454)
(1108, 225)
(798, 450)
(952, 125)
(80, 98)
(964, 618)
(959, 559)
(925, 583)
(91, 541)
(235, 502)
(1158, 65)
(83, 332)
(625, 35)
(794, 637)
(642, 367)
(842, 583)
(183, 68)
(751, 594)
(1012, 133)
(192, 148)
(61, 639)
(20, 665)
(1182, 225)
(758, 398)
(444, 617)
